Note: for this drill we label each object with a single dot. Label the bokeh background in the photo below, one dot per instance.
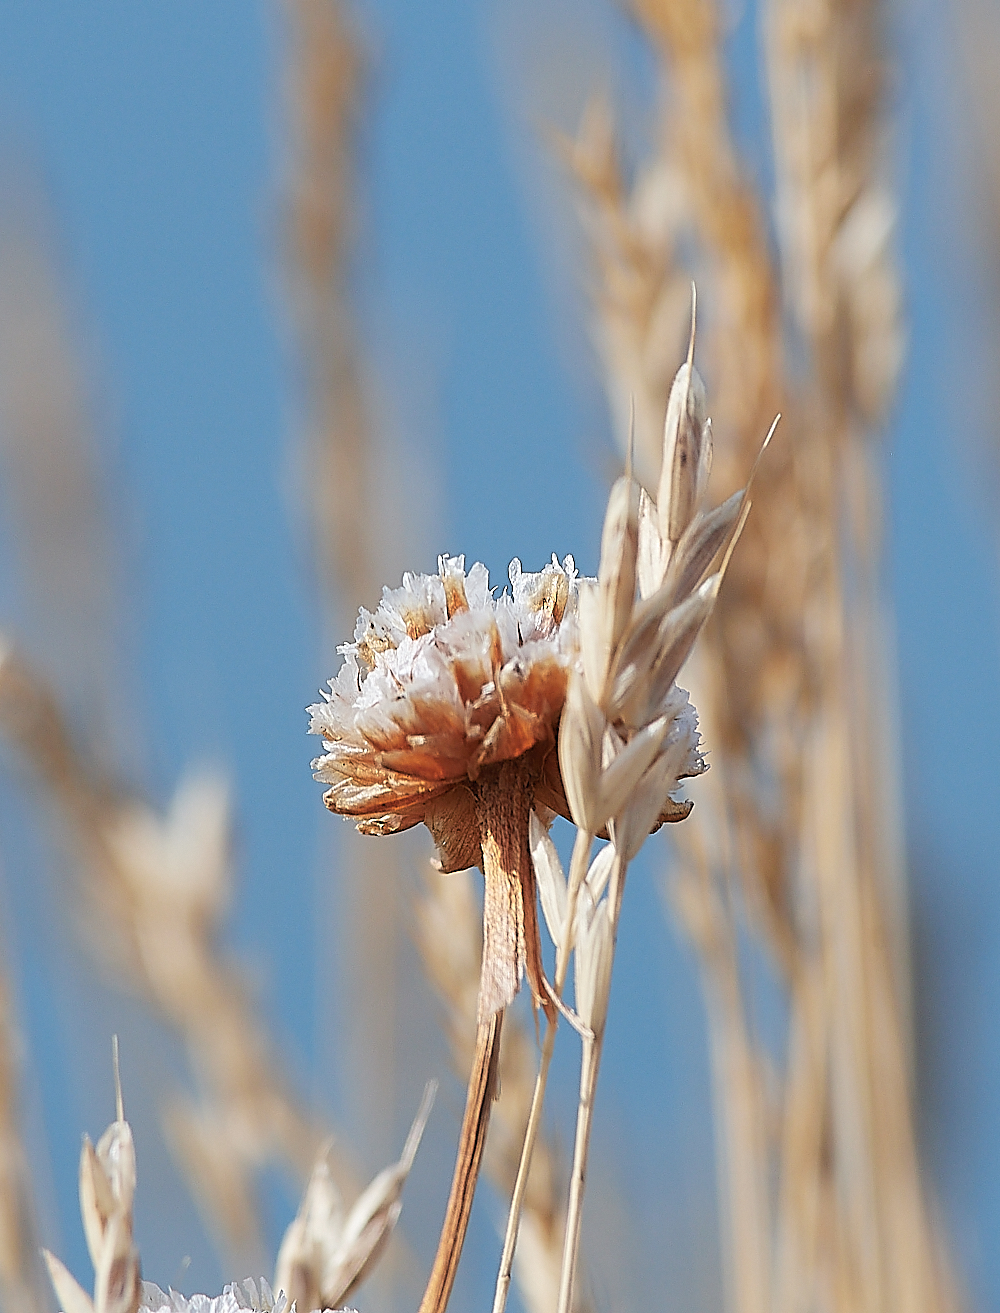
(159, 563)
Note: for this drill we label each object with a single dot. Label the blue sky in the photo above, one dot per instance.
(153, 131)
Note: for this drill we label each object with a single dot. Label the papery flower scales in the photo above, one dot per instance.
(442, 681)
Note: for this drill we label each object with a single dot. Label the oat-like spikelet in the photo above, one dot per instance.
(107, 1194)
(327, 1251)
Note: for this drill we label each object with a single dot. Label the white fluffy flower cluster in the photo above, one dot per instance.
(247, 1296)
(442, 680)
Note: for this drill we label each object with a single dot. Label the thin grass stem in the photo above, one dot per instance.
(589, 1069)
(523, 1171)
(577, 872)
(571, 1243)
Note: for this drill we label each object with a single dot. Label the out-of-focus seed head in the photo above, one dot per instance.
(619, 550)
(687, 453)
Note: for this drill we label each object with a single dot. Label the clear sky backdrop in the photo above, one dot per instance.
(153, 130)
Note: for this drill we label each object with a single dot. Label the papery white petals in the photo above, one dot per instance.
(441, 681)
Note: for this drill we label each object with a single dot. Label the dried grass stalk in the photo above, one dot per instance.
(153, 891)
(791, 683)
(21, 1278)
(325, 86)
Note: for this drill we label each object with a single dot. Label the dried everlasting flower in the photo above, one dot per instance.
(445, 711)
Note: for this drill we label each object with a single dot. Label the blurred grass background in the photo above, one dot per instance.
(159, 555)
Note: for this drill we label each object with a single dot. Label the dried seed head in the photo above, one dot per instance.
(107, 1179)
(687, 453)
(311, 1238)
(442, 681)
(619, 550)
(326, 1253)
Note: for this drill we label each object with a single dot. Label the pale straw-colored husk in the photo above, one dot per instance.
(327, 1250)
(21, 1277)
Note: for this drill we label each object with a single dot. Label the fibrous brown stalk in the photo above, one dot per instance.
(450, 941)
(504, 797)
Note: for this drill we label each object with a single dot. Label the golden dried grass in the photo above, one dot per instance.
(798, 828)
(20, 1275)
(325, 86)
(152, 892)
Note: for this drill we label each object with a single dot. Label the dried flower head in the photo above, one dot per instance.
(445, 711)
(444, 682)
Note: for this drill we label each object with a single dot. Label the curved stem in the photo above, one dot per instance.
(472, 1140)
